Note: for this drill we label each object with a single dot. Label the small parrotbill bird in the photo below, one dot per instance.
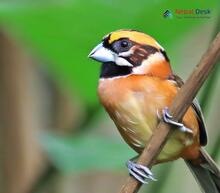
(136, 87)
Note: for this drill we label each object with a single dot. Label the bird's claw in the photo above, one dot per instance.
(140, 172)
(168, 119)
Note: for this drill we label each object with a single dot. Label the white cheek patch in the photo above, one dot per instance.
(122, 62)
(126, 54)
(147, 64)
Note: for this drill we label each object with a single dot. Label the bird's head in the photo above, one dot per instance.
(125, 52)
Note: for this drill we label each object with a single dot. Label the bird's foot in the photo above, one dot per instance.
(168, 119)
(140, 172)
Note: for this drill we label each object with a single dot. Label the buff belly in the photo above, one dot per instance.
(134, 103)
(136, 127)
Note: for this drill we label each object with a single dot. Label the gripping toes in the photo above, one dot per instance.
(140, 172)
(168, 119)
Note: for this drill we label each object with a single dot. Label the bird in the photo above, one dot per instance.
(136, 87)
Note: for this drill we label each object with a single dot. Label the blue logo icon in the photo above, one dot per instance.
(167, 14)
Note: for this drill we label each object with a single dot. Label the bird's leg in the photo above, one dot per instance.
(139, 172)
(168, 119)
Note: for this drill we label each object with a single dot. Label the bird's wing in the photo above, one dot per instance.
(195, 104)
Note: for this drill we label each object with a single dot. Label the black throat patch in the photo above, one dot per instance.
(110, 69)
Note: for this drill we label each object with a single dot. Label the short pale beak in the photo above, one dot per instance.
(101, 54)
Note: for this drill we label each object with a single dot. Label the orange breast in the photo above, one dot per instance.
(134, 102)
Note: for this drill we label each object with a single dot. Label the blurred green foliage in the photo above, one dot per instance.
(85, 152)
(64, 33)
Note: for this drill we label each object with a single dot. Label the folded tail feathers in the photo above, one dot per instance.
(207, 173)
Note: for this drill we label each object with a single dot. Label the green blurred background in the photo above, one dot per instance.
(54, 135)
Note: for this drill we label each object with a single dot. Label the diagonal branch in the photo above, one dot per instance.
(178, 108)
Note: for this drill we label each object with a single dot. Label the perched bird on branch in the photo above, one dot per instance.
(136, 87)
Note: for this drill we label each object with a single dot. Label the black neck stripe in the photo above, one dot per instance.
(110, 69)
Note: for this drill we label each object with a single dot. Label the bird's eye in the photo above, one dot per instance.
(124, 44)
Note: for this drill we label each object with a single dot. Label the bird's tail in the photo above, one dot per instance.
(207, 173)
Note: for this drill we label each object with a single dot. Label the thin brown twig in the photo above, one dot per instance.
(178, 108)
